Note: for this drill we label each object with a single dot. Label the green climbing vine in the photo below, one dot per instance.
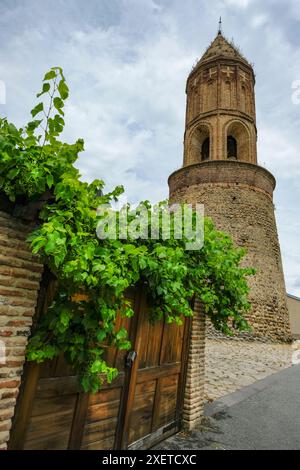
(35, 163)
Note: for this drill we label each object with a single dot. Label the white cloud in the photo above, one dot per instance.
(279, 152)
(294, 9)
(237, 3)
(129, 116)
(259, 20)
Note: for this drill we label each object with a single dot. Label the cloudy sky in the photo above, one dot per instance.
(126, 62)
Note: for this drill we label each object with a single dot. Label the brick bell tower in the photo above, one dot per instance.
(220, 170)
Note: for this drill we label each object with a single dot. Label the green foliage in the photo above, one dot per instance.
(32, 162)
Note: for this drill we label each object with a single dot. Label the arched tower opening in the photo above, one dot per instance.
(237, 142)
(200, 144)
(231, 147)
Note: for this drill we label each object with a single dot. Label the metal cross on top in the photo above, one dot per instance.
(220, 25)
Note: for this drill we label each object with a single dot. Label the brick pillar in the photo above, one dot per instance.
(194, 391)
(20, 276)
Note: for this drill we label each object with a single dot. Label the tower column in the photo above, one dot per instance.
(236, 192)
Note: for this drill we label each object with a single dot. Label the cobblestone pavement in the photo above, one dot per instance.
(233, 364)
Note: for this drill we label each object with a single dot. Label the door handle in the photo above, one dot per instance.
(130, 358)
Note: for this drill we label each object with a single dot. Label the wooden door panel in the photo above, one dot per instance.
(96, 433)
(52, 406)
(150, 350)
(102, 419)
(104, 414)
(167, 405)
(107, 406)
(51, 429)
(159, 366)
(142, 411)
(50, 423)
(172, 343)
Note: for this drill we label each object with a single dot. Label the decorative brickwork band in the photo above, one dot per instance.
(241, 174)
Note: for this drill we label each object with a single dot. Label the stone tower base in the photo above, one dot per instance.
(238, 197)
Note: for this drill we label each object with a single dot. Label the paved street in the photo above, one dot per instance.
(264, 415)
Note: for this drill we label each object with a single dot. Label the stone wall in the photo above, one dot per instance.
(294, 312)
(245, 212)
(20, 276)
(194, 390)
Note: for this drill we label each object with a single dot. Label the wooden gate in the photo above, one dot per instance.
(140, 408)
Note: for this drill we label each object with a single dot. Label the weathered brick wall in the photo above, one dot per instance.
(19, 284)
(246, 212)
(194, 391)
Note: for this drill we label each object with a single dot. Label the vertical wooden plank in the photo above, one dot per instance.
(153, 342)
(24, 410)
(184, 364)
(158, 386)
(127, 398)
(102, 418)
(78, 421)
(156, 407)
(142, 411)
(169, 335)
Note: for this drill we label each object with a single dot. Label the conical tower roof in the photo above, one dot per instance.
(221, 48)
